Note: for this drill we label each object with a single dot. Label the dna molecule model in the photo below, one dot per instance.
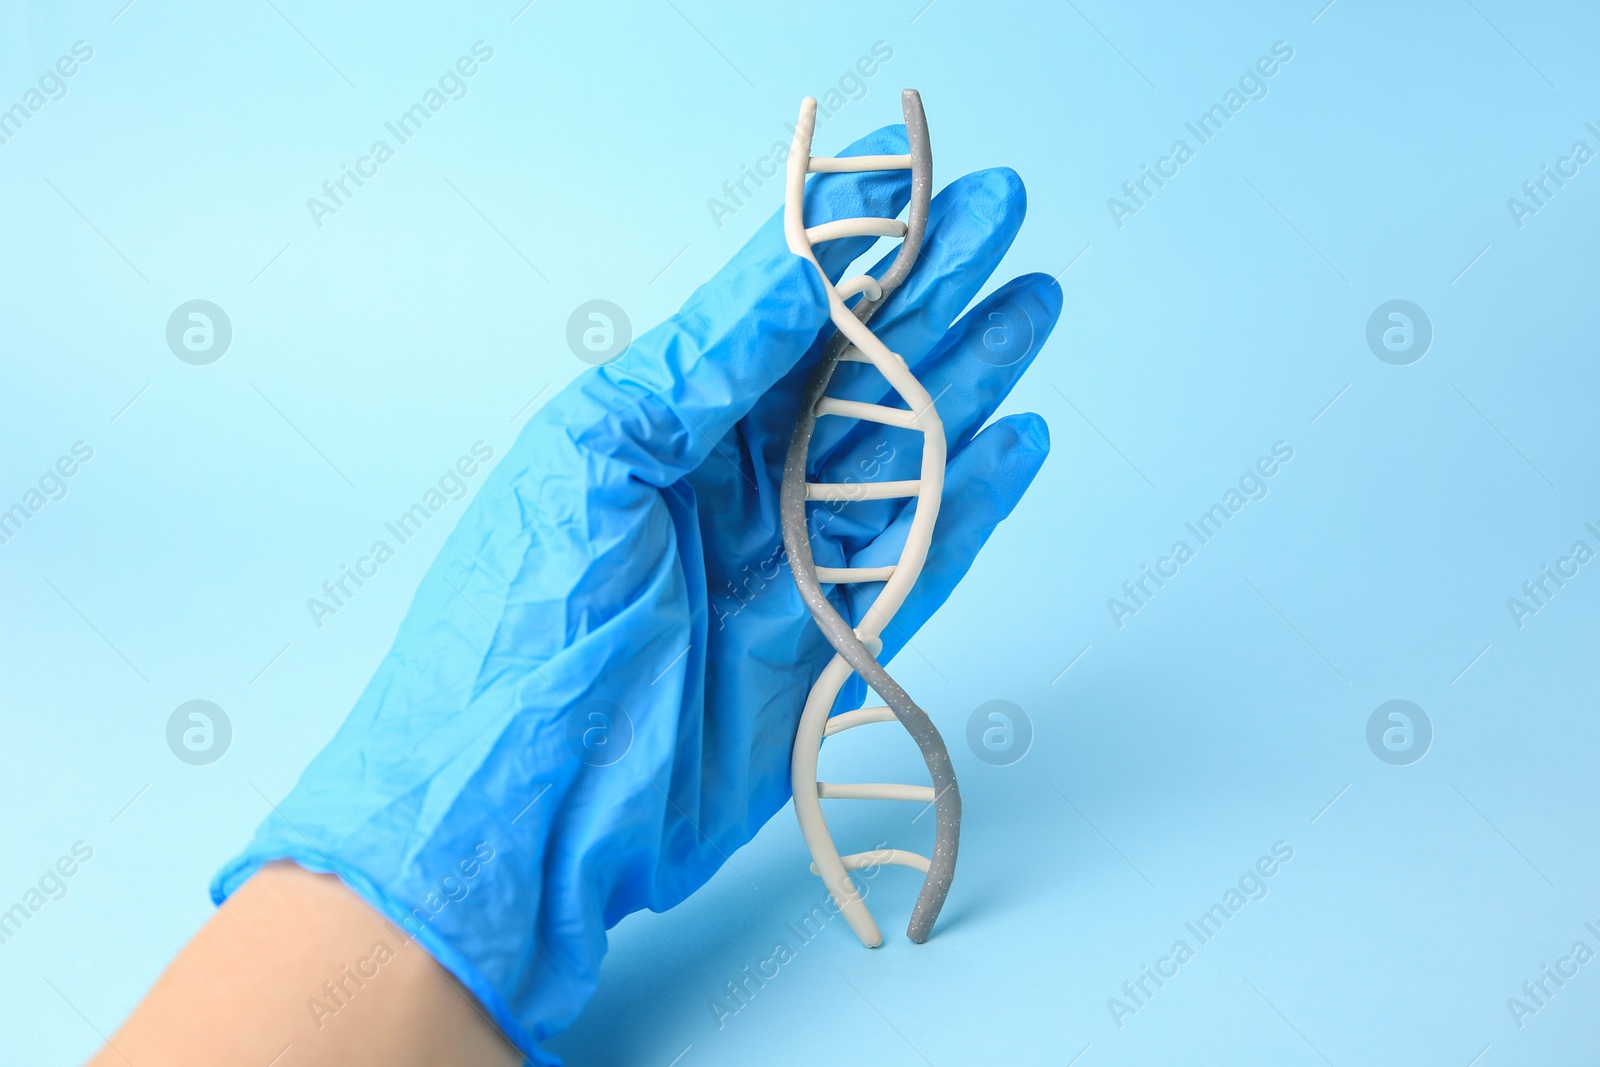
(857, 648)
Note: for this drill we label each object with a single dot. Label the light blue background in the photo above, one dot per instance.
(1223, 317)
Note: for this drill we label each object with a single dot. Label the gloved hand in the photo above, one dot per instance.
(592, 699)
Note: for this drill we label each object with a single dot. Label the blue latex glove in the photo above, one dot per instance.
(591, 701)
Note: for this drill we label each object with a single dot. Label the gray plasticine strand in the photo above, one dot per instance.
(796, 540)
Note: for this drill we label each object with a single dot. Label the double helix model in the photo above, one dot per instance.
(857, 648)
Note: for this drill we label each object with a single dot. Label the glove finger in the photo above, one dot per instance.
(969, 373)
(660, 407)
(971, 225)
(983, 483)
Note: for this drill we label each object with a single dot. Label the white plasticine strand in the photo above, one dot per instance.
(866, 227)
(856, 409)
(893, 367)
(826, 861)
(920, 416)
(851, 353)
(874, 791)
(867, 284)
(837, 575)
(860, 717)
(856, 343)
(861, 490)
(891, 856)
(850, 164)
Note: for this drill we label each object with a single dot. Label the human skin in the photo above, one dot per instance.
(298, 930)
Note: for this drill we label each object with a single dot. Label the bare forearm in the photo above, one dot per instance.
(297, 971)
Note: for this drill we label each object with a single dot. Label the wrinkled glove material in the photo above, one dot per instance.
(585, 711)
